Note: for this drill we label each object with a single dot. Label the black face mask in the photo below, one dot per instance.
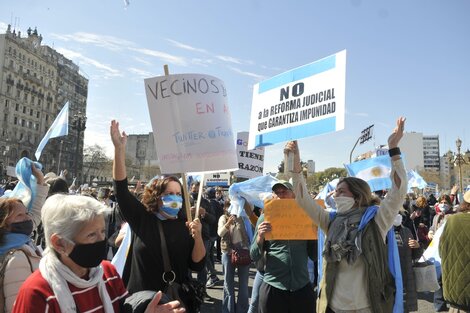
(25, 227)
(194, 195)
(89, 255)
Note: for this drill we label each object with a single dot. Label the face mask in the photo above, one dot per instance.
(25, 227)
(172, 204)
(194, 195)
(398, 219)
(89, 255)
(344, 203)
(443, 207)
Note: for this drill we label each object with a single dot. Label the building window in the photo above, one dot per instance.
(15, 120)
(7, 102)
(37, 114)
(17, 107)
(24, 110)
(23, 122)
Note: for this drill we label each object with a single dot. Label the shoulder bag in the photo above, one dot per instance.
(189, 293)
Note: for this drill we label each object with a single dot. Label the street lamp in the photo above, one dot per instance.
(79, 124)
(458, 160)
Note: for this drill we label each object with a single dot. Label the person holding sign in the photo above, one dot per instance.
(161, 206)
(286, 285)
(356, 276)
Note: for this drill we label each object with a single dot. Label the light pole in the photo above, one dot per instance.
(79, 124)
(458, 160)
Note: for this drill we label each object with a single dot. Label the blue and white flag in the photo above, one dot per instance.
(415, 180)
(25, 189)
(375, 171)
(60, 127)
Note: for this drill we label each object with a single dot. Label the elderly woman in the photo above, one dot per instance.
(72, 275)
(18, 252)
(161, 209)
(355, 273)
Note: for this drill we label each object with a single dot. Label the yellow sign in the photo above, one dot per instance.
(289, 221)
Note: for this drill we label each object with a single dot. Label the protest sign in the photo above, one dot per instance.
(250, 162)
(302, 102)
(191, 123)
(217, 179)
(288, 220)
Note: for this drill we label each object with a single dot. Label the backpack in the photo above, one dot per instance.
(4, 259)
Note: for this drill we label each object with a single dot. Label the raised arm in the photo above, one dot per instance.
(394, 199)
(119, 142)
(303, 198)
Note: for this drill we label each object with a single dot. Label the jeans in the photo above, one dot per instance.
(228, 302)
(202, 275)
(439, 303)
(255, 292)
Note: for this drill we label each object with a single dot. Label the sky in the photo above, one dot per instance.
(404, 58)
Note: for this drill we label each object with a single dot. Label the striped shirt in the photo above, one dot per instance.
(36, 296)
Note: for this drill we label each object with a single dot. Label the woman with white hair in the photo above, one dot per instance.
(73, 276)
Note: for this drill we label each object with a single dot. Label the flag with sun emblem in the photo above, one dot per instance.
(375, 171)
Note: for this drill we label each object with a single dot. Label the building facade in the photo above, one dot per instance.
(141, 156)
(35, 83)
(431, 156)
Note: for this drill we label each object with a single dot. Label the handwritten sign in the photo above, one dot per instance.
(302, 102)
(191, 123)
(288, 220)
(250, 162)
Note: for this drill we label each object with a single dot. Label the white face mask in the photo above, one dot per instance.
(398, 219)
(444, 207)
(344, 203)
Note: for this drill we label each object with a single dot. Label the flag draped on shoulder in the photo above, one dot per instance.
(375, 171)
(60, 127)
(25, 189)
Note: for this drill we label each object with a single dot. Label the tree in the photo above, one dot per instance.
(95, 162)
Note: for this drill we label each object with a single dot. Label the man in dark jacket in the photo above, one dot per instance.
(208, 221)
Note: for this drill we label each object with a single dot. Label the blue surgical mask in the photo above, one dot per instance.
(172, 204)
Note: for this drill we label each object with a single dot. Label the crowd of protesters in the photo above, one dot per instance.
(55, 247)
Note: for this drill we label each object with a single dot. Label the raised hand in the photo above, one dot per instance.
(397, 133)
(292, 147)
(119, 140)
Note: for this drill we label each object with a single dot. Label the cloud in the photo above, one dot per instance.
(362, 114)
(229, 59)
(185, 46)
(141, 73)
(249, 74)
(77, 57)
(163, 56)
(104, 41)
(143, 61)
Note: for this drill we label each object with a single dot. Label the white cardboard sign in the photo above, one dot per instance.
(302, 102)
(250, 162)
(191, 123)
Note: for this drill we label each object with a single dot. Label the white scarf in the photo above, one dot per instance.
(58, 274)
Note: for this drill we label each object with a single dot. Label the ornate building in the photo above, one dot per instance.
(35, 83)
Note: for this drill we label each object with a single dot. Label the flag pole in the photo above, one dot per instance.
(60, 155)
(183, 177)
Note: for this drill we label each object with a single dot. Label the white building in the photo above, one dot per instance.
(411, 146)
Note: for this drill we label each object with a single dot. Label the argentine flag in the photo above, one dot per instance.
(415, 180)
(375, 171)
(60, 127)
